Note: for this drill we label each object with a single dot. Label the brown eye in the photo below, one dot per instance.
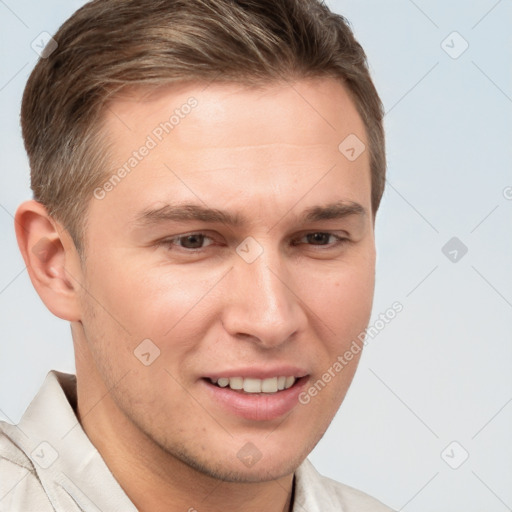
(318, 238)
(191, 242)
(194, 241)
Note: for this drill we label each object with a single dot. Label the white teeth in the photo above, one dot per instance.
(290, 381)
(250, 385)
(236, 383)
(269, 385)
(223, 382)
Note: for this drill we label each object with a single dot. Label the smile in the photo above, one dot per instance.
(253, 398)
(252, 385)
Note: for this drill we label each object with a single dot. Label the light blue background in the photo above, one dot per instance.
(441, 371)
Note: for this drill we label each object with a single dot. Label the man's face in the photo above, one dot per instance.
(281, 293)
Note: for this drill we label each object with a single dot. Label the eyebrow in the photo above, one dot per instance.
(184, 212)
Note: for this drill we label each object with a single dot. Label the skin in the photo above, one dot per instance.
(267, 154)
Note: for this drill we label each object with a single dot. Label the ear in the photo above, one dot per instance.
(51, 258)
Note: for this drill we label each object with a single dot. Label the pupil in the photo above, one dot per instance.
(320, 237)
(195, 244)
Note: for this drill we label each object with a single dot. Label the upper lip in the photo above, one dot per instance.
(259, 372)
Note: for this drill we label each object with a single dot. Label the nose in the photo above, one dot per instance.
(263, 303)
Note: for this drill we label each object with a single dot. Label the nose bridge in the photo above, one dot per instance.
(264, 305)
(269, 291)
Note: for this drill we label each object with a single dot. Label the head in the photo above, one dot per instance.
(254, 126)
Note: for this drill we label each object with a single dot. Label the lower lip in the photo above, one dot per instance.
(256, 406)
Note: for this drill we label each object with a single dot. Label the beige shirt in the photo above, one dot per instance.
(47, 463)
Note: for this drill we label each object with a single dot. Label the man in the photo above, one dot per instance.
(206, 176)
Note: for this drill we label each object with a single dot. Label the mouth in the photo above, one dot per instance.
(250, 385)
(256, 399)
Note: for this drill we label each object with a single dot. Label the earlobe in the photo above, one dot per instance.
(52, 261)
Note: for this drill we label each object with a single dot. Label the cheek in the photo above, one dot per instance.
(343, 308)
(152, 302)
(343, 304)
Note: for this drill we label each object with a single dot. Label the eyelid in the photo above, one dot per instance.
(336, 232)
(341, 237)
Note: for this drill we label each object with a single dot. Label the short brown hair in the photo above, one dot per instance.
(108, 45)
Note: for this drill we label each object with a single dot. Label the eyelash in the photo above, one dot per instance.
(170, 242)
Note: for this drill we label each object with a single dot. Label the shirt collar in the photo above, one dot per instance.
(64, 458)
(312, 493)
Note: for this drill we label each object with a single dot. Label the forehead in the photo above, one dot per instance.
(319, 105)
(233, 144)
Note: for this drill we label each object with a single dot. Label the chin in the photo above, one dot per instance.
(261, 472)
(243, 469)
